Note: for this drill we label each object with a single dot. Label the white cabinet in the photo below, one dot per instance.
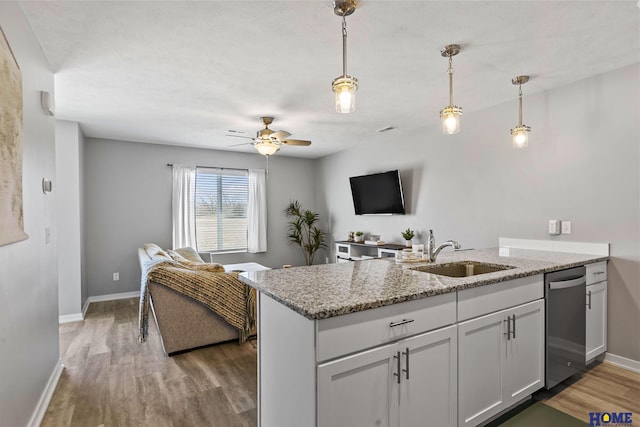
(429, 384)
(351, 251)
(500, 361)
(357, 390)
(408, 383)
(596, 322)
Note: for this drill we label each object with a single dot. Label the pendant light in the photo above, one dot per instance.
(450, 115)
(345, 86)
(520, 133)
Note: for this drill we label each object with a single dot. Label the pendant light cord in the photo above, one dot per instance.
(450, 71)
(344, 45)
(520, 102)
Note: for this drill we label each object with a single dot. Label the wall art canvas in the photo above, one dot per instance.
(11, 213)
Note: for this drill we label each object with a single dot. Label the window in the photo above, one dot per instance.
(221, 199)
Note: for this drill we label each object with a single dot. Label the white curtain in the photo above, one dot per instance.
(257, 212)
(183, 206)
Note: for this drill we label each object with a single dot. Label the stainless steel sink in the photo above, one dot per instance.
(462, 268)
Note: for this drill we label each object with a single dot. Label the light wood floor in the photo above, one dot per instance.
(111, 380)
(604, 388)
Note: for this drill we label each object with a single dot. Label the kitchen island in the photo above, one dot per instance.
(380, 343)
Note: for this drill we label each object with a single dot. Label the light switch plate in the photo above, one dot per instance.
(566, 227)
(554, 226)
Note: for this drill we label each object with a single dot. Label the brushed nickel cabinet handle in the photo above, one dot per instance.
(397, 374)
(508, 333)
(514, 326)
(406, 355)
(402, 322)
(589, 303)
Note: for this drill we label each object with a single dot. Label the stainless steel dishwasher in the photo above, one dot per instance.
(565, 327)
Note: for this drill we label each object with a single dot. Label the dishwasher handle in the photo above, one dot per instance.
(568, 283)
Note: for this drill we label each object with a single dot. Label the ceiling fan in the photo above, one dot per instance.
(267, 142)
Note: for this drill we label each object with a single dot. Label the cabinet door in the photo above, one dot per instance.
(596, 337)
(358, 390)
(428, 386)
(525, 352)
(481, 357)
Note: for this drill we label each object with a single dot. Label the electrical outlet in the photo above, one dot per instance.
(47, 235)
(566, 227)
(116, 277)
(554, 226)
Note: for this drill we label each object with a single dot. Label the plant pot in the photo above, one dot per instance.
(409, 243)
(359, 239)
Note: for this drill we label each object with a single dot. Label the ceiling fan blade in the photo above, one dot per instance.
(279, 134)
(244, 143)
(239, 136)
(300, 142)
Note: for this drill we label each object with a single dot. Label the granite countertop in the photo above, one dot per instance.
(328, 290)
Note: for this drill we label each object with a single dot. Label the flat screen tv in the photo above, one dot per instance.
(378, 193)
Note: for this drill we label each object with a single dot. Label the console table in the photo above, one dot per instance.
(351, 251)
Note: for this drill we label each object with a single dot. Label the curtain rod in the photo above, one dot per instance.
(214, 167)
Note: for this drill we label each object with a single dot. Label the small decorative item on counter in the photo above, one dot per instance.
(418, 249)
(351, 236)
(359, 236)
(408, 235)
(408, 254)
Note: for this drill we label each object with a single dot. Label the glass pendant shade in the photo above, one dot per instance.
(267, 148)
(344, 88)
(520, 135)
(450, 117)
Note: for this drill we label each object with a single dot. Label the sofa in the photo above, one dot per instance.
(183, 323)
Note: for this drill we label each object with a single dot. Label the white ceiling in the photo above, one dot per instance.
(185, 72)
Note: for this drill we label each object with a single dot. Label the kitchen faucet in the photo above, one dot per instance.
(432, 251)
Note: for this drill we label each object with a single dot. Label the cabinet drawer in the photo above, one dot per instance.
(353, 332)
(596, 272)
(498, 296)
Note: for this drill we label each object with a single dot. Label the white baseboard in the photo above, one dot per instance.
(85, 308)
(623, 362)
(45, 397)
(68, 318)
(112, 297)
(77, 317)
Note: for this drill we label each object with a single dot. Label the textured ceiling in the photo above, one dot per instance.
(185, 72)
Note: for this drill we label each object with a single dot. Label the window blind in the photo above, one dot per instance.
(221, 197)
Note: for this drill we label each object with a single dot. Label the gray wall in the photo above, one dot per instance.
(582, 164)
(28, 273)
(128, 203)
(72, 292)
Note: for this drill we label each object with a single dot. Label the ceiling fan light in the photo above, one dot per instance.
(267, 148)
(345, 88)
(450, 117)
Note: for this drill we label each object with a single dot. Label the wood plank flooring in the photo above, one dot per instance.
(604, 388)
(111, 380)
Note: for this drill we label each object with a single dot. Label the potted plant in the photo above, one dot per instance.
(303, 230)
(407, 235)
(359, 236)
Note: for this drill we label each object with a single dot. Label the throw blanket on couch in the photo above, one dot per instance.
(222, 292)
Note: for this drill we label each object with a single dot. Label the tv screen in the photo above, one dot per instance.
(379, 193)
